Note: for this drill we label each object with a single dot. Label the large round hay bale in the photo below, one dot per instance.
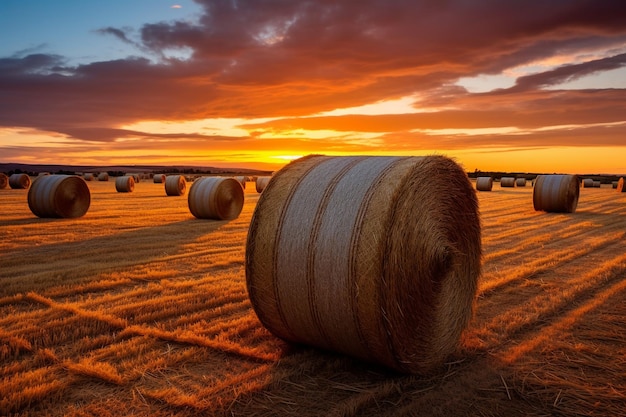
(597, 184)
(621, 185)
(507, 182)
(261, 183)
(125, 184)
(65, 196)
(19, 181)
(103, 176)
(215, 198)
(4, 181)
(376, 257)
(158, 178)
(484, 183)
(175, 185)
(588, 183)
(520, 182)
(556, 193)
(88, 176)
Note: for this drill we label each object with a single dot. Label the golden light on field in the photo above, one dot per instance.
(139, 307)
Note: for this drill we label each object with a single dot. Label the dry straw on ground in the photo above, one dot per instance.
(65, 196)
(376, 257)
(175, 185)
(556, 193)
(125, 184)
(4, 181)
(216, 198)
(261, 183)
(507, 182)
(484, 183)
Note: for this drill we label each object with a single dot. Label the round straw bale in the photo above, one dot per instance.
(242, 181)
(215, 198)
(588, 183)
(261, 183)
(507, 182)
(19, 181)
(484, 183)
(376, 257)
(4, 181)
(88, 176)
(103, 176)
(556, 193)
(597, 184)
(125, 184)
(613, 184)
(175, 185)
(520, 182)
(65, 196)
(158, 178)
(621, 185)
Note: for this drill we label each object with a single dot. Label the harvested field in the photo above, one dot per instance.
(140, 309)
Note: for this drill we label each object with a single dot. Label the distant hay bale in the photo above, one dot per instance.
(41, 174)
(103, 176)
(158, 178)
(621, 185)
(588, 183)
(242, 181)
(556, 193)
(4, 181)
(88, 176)
(261, 183)
(613, 184)
(64, 196)
(597, 184)
(484, 183)
(520, 182)
(19, 181)
(507, 182)
(376, 257)
(175, 185)
(215, 198)
(125, 184)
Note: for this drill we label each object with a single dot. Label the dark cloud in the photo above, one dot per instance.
(292, 58)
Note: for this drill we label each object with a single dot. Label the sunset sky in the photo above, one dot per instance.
(520, 85)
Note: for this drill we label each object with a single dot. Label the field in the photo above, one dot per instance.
(140, 309)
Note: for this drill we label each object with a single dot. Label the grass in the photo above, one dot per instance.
(140, 309)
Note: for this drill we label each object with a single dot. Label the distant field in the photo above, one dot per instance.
(140, 309)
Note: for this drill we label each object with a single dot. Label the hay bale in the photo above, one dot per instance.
(19, 181)
(158, 178)
(242, 181)
(175, 185)
(613, 184)
(64, 196)
(597, 184)
(103, 176)
(125, 184)
(215, 198)
(88, 176)
(588, 183)
(520, 182)
(375, 257)
(4, 181)
(261, 183)
(507, 182)
(621, 185)
(484, 183)
(556, 193)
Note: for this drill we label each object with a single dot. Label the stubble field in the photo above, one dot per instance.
(140, 309)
